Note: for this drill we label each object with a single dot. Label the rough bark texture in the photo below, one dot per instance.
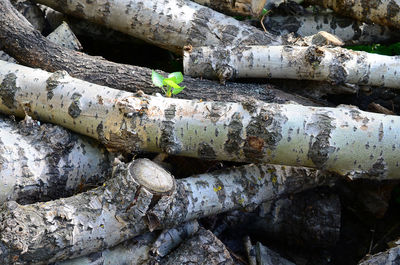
(31, 48)
(382, 12)
(42, 162)
(140, 249)
(135, 251)
(123, 208)
(389, 257)
(352, 32)
(235, 7)
(170, 24)
(345, 140)
(202, 249)
(336, 65)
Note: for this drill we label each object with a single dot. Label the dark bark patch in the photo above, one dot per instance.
(393, 9)
(264, 131)
(314, 56)
(53, 81)
(169, 113)
(381, 133)
(319, 147)
(8, 89)
(217, 110)
(168, 140)
(250, 105)
(74, 109)
(378, 169)
(205, 151)
(233, 143)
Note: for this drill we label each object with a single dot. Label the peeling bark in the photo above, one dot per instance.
(125, 207)
(335, 65)
(42, 162)
(30, 48)
(345, 140)
(203, 249)
(350, 31)
(235, 7)
(170, 24)
(382, 12)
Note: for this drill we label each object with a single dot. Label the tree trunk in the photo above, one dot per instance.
(345, 140)
(236, 7)
(352, 32)
(204, 248)
(382, 12)
(161, 22)
(336, 65)
(30, 48)
(42, 162)
(131, 203)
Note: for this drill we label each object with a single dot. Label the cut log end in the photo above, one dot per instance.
(152, 177)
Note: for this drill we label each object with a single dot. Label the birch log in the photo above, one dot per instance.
(204, 248)
(42, 162)
(169, 24)
(345, 140)
(382, 12)
(140, 249)
(134, 201)
(388, 257)
(30, 48)
(352, 32)
(336, 65)
(236, 7)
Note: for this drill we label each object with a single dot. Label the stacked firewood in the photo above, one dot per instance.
(102, 169)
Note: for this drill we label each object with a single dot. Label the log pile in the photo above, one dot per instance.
(257, 161)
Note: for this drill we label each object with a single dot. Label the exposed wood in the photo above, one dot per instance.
(122, 208)
(382, 12)
(42, 162)
(31, 48)
(345, 140)
(236, 7)
(161, 22)
(335, 65)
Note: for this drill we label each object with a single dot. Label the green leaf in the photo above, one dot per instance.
(177, 90)
(170, 82)
(177, 77)
(157, 79)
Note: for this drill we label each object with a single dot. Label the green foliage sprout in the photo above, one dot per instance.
(168, 85)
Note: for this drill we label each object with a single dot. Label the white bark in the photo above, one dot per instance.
(345, 140)
(336, 65)
(64, 36)
(138, 250)
(135, 251)
(352, 32)
(388, 257)
(236, 7)
(42, 162)
(382, 12)
(170, 24)
(125, 207)
(204, 248)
